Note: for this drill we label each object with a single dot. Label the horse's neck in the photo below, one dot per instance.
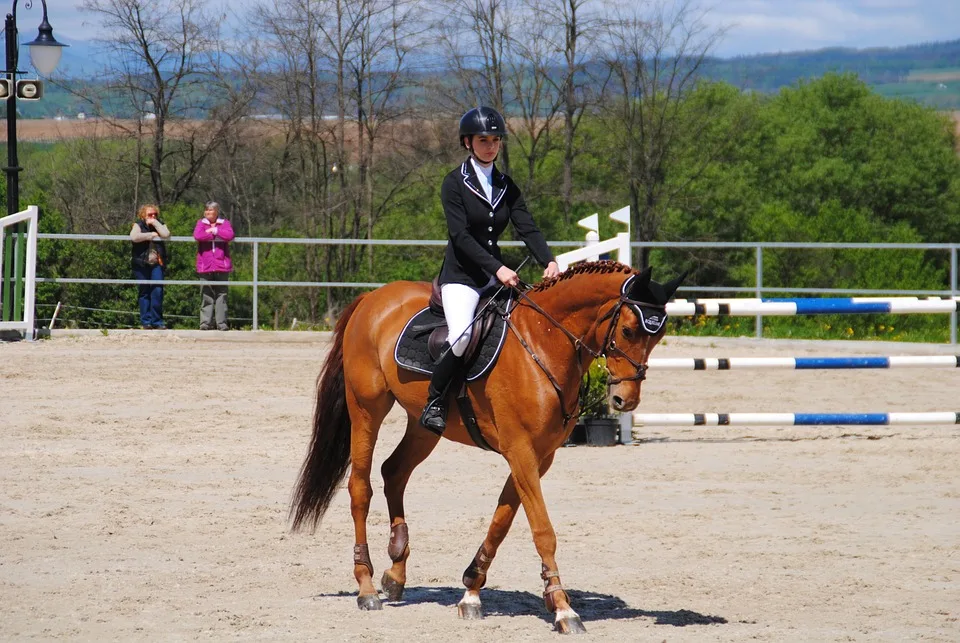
(578, 302)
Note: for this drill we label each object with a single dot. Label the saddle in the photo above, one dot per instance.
(424, 337)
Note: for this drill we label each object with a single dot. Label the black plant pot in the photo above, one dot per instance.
(578, 435)
(602, 431)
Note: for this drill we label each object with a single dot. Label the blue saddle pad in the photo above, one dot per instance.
(412, 351)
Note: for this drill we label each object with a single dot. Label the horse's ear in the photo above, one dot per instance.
(638, 282)
(671, 286)
(637, 287)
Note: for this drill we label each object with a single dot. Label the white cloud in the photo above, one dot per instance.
(771, 25)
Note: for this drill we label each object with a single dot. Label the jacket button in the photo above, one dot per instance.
(491, 214)
(490, 229)
(489, 242)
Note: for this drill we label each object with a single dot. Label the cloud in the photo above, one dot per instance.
(768, 25)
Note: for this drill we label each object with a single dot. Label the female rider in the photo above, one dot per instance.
(478, 201)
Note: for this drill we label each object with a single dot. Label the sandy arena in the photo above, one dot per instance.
(146, 477)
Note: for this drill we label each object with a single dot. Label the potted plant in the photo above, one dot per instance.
(601, 428)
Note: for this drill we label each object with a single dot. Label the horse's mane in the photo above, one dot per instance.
(583, 268)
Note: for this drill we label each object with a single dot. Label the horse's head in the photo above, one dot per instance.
(638, 321)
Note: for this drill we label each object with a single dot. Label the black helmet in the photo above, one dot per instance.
(482, 121)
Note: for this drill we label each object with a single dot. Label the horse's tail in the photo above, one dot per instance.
(329, 454)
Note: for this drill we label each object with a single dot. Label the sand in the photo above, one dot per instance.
(145, 479)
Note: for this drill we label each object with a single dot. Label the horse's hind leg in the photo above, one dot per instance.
(365, 418)
(475, 576)
(413, 449)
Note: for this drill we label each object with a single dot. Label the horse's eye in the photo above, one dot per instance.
(627, 332)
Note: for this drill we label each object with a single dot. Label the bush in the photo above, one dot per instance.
(594, 391)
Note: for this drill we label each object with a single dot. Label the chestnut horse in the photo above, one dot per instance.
(526, 408)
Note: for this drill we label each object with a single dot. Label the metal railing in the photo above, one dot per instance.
(758, 290)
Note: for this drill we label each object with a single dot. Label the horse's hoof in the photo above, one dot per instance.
(390, 587)
(570, 625)
(470, 611)
(369, 602)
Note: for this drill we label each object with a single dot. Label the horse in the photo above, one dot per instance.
(559, 327)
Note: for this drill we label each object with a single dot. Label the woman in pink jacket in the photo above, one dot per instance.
(213, 234)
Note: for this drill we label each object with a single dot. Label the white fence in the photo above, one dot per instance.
(758, 290)
(29, 271)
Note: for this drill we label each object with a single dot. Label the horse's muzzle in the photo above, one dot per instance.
(621, 405)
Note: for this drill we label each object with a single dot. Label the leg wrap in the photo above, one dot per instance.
(399, 539)
(550, 588)
(477, 570)
(361, 556)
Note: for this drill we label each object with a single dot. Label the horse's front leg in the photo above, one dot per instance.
(525, 470)
(475, 576)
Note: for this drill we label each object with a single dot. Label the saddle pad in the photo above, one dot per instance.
(412, 353)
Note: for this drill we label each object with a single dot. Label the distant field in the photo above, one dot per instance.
(934, 75)
(51, 130)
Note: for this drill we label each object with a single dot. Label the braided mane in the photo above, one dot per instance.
(582, 268)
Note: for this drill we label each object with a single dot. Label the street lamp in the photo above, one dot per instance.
(45, 54)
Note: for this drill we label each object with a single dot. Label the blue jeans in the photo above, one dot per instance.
(150, 296)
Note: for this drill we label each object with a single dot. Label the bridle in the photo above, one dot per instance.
(610, 343)
(608, 347)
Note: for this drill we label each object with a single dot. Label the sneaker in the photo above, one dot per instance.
(146, 328)
(204, 326)
(223, 327)
(160, 327)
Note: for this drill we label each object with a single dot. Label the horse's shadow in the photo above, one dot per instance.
(591, 606)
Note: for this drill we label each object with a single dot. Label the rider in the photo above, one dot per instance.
(478, 200)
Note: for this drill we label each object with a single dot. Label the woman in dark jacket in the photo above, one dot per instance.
(478, 201)
(148, 260)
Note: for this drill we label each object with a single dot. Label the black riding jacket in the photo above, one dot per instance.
(474, 225)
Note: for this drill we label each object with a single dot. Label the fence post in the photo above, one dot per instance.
(759, 321)
(953, 293)
(256, 302)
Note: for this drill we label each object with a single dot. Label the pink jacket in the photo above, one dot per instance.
(213, 248)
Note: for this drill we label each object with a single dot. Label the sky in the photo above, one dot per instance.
(755, 26)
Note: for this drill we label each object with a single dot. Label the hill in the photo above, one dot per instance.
(928, 73)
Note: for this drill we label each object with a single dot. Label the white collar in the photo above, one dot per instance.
(481, 170)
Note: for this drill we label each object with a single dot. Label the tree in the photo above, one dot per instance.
(577, 28)
(166, 71)
(654, 63)
(474, 36)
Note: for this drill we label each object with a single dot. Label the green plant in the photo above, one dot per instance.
(594, 391)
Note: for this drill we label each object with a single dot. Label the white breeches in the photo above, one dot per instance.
(459, 307)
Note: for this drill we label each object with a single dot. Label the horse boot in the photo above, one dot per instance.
(434, 417)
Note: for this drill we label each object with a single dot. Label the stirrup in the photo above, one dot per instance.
(433, 417)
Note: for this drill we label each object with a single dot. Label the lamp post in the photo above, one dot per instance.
(45, 53)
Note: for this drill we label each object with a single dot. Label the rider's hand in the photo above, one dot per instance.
(551, 271)
(507, 277)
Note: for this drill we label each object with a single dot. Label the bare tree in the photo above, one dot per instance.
(532, 58)
(167, 69)
(578, 24)
(335, 74)
(474, 35)
(389, 31)
(654, 62)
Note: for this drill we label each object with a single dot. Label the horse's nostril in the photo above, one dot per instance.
(617, 401)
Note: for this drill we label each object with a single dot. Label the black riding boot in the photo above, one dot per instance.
(434, 415)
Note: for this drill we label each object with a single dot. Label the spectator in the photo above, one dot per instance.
(213, 234)
(149, 260)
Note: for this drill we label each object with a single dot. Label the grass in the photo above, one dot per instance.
(931, 329)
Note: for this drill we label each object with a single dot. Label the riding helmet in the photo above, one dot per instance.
(484, 121)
